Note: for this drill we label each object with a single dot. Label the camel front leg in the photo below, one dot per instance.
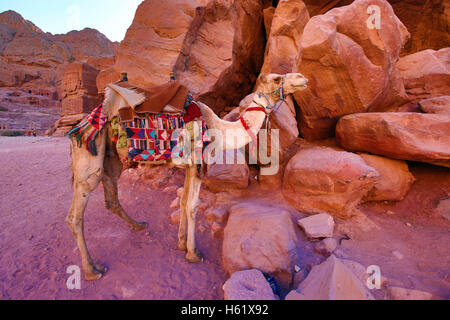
(75, 220)
(87, 173)
(193, 255)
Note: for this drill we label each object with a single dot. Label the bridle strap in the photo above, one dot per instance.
(268, 109)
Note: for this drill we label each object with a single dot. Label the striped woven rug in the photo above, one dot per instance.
(150, 138)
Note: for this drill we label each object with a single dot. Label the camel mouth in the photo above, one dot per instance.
(301, 86)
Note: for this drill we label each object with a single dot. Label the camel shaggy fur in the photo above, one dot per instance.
(106, 167)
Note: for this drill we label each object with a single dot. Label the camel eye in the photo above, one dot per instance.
(277, 80)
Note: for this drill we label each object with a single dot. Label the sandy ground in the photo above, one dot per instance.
(37, 247)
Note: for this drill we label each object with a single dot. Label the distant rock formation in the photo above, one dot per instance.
(31, 58)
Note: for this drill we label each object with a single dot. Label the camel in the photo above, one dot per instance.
(89, 170)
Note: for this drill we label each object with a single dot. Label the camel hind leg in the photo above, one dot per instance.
(87, 173)
(112, 170)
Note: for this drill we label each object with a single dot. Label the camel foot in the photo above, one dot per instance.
(196, 257)
(96, 272)
(140, 226)
(182, 245)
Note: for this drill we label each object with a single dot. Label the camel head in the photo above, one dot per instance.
(291, 82)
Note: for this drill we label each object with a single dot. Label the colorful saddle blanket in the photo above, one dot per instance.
(148, 142)
(149, 138)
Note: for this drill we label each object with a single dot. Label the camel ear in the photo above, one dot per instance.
(263, 78)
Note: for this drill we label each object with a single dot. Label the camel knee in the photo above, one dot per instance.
(74, 223)
(191, 211)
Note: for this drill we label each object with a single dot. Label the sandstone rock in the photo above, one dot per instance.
(438, 105)
(87, 43)
(326, 246)
(31, 58)
(318, 226)
(79, 104)
(223, 177)
(397, 293)
(331, 280)
(319, 179)
(443, 208)
(217, 229)
(102, 62)
(79, 78)
(426, 74)
(180, 192)
(337, 86)
(153, 41)
(407, 136)
(426, 21)
(247, 285)
(287, 24)
(175, 217)
(211, 46)
(268, 14)
(395, 179)
(175, 204)
(105, 77)
(260, 237)
(219, 214)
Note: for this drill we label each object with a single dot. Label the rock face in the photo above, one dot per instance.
(395, 179)
(211, 46)
(260, 237)
(318, 226)
(247, 285)
(427, 21)
(426, 74)
(30, 58)
(439, 105)
(79, 94)
(407, 136)
(331, 280)
(286, 29)
(87, 43)
(337, 86)
(321, 179)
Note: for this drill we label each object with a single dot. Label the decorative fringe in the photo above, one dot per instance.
(87, 131)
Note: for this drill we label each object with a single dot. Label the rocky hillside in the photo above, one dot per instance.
(30, 57)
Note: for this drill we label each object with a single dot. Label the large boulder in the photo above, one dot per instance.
(395, 178)
(227, 175)
(260, 237)
(320, 179)
(247, 285)
(426, 74)
(427, 21)
(438, 105)
(407, 136)
(286, 30)
(331, 280)
(339, 51)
